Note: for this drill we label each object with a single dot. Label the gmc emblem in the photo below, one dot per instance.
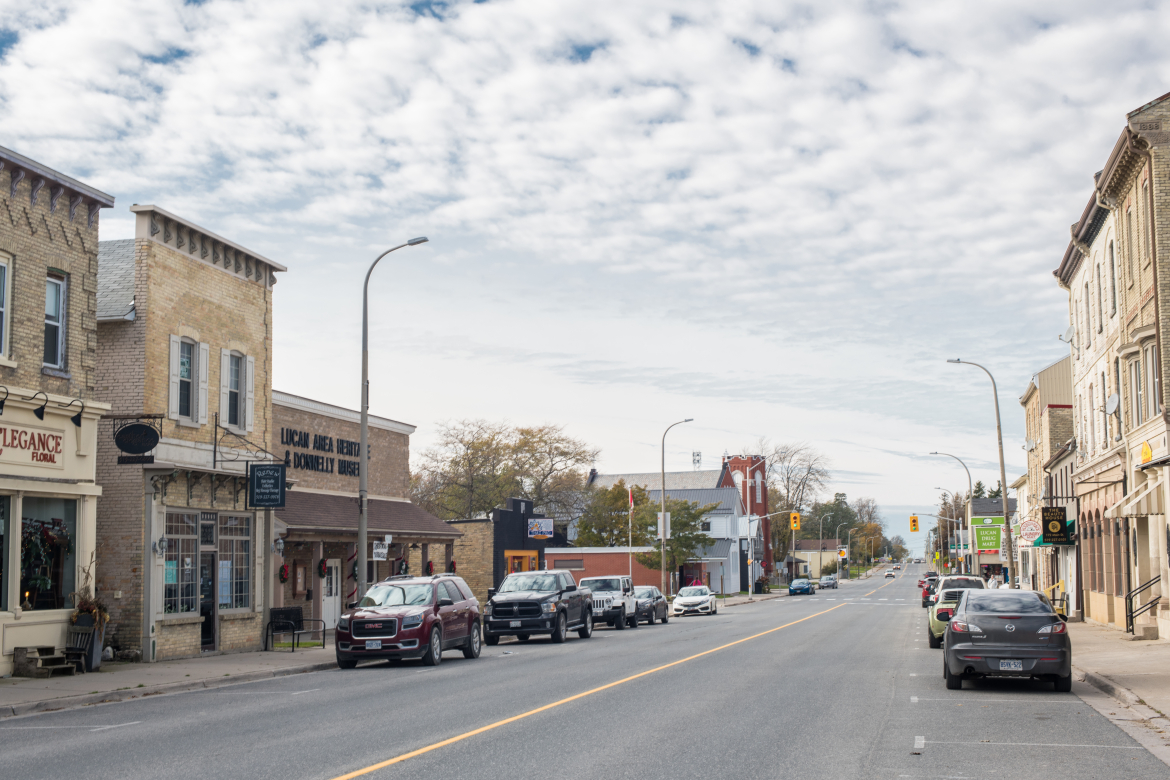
(373, 625)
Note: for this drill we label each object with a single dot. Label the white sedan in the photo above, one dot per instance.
(695, 600)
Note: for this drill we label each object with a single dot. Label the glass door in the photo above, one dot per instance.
(207, 598)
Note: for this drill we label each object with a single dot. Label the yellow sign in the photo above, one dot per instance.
(841, 553)
(1147, 453)
(794, 520)
(914, 523)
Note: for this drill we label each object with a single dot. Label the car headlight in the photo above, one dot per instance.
(487, 608)
(412, 621)
(343, 624)
(548, 606)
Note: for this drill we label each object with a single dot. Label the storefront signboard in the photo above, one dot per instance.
(136, 438)
(1056, 529)
(1030, 531)
(540, 527)
(266, 485)
(29, 445)
(987, 539)
(378, 551)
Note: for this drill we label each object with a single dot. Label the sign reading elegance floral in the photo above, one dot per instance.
(31, 446)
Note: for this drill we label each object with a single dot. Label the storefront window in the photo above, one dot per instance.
(179, 579)
(235, 561)
(48, 539)
(5, 536)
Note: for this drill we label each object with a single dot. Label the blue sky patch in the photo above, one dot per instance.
(8, 39)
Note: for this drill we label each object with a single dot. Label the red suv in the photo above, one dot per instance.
(410, 617)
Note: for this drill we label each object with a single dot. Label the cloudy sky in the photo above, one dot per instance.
(776, 218)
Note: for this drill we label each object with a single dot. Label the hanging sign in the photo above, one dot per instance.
(1056, 530)
(1030, 531)
(136, 438)
(266, 485)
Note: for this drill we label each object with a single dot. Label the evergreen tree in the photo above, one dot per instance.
(980, 490)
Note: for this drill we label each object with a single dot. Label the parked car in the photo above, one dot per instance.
(408, 617)
(950, 590)
(613, 601)
(828, 581)
(695, 600)
(801, 586)
(538, 602)
(651, 604)
(927, 590)
(1013, 633)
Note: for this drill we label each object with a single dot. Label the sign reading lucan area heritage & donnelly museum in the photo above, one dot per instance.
(1056, 530)
(327, 463)
(29, 446)
(266, 485)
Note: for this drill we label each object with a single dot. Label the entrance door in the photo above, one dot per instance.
(521, 560)
(207, 598)
(743, 566)
(331, 595)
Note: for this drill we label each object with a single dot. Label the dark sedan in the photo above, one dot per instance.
(651, 605)
(1015, 633)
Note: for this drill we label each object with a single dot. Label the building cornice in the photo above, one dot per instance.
(59, 185)
(303, 404)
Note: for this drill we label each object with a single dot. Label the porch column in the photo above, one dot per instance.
(317, 583)
(448, 552)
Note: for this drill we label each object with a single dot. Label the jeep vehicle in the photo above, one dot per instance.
(537, 602)
(406, 617)
(613, 601)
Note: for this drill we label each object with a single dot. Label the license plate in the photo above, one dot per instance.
(514, 624)
(1011, 666)
(598, 612)
(373, 644)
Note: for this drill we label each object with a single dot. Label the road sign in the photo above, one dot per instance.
(842, 553)
(794, 520)
(914, 523)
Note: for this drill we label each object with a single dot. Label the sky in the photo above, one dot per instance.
(779, 219)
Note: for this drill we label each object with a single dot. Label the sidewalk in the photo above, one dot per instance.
(1132, 672)
(117, 681)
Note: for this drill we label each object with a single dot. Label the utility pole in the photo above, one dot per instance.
(662, 519)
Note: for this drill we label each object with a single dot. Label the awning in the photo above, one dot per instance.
(330, 513)
(1146, 501)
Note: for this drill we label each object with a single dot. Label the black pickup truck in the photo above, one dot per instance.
(537, 602)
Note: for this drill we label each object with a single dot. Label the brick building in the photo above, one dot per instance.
(319, 523)
(184, 340)
(48, 411)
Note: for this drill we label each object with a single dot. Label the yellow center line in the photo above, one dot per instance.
(530, 713)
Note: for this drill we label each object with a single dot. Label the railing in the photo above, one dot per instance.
(1130, 612)
(1059, 601)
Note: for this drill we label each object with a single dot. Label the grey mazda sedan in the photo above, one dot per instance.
(1006, 633)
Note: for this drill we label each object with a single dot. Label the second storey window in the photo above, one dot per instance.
(54, 321)
(187, 397)
(186, 375)
(234, 390)
(236, 384)
(3, 304)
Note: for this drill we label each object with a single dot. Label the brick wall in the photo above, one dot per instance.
(473, 555)
(602, 564)
(178, 639)
(239, 632)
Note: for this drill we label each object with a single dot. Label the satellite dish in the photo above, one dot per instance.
(1068, 334)
(1112, 403)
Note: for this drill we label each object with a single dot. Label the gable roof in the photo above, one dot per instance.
(728, 499)
(675, 480)
(115, 290)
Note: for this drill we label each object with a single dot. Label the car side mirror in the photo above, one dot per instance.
(351, 605)
(491, 592)
(446, 603)
(570, 588)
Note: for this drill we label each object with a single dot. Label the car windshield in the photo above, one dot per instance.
(396, 595)
(644, 593)
(693, 592)
(602, 583)
(974, 583)
(999, 602)
(541, 582)
(800, 582)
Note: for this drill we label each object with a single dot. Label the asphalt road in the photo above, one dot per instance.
(838, 685)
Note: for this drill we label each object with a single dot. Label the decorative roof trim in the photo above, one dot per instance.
(10, 159)
(337, 412)
(192, 227)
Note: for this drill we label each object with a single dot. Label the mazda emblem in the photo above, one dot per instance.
(1010, 627)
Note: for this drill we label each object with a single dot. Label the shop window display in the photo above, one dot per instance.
(48, 567)
(179, 580)
(235, 562)
(5, 539)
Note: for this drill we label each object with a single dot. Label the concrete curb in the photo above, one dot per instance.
(1107, 686)
(70, 702)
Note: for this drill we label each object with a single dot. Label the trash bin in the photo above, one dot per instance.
(758, 589)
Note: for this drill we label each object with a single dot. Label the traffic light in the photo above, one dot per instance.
(914, 523)
(794, 520)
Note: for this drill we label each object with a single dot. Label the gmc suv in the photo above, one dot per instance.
(537, 602)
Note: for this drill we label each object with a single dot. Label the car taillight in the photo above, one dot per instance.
(1055, 628)
(965, 628)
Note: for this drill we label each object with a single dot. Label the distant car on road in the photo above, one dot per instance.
(802, 586)
(651, 604)
(928, 589)
(695, 600)
(1012, 633)
(898, 567)
(890, 575)
(828, 581)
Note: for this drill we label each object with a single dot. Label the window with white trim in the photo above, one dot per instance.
(237, 383)
(187, 396)
(1100, 302)
(235, 561)
(5, 275)
(181, 558)
(1088, 318)
(1153, 396)
(1136, 392)
(54, 355)
(1112, 282)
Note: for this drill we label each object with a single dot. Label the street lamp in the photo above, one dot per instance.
(662, 497)
(821, 542)
(837, 539)
(363, 476)
(1002, 470)
(970, 492)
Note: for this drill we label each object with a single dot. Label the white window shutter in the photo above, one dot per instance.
(225, 378)
(203, 370)
(250, 405)
(173, 384)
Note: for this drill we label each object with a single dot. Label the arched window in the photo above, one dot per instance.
(1088, 318)
(759, 487)
(1100, 302)
(1112, 282)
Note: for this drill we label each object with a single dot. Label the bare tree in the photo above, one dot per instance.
(551, 467)
(797, 473)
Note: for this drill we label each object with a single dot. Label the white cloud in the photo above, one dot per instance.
(778, 218)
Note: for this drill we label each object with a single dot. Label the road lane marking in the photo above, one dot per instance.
(913, 699)
(482, 729)
(968, 699)
(298, 693)
(1034, 744)
(87, 728)
(919, 743)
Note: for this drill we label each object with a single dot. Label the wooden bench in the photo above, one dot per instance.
(291, 620)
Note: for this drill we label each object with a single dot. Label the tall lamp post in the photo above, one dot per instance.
(970, 491)
(821, 543)
(1007, 529)
(662, 497)
(837, 539)
(363, 476)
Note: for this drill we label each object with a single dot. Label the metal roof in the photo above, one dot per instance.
(721, 549)
(728, 499)
(675, 480)
(115, 290)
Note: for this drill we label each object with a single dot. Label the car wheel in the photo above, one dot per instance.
(346, 663)
(954, 681)
(666, 616)
(472, 648)
(633, 619)
(558, 634)
(620, 623)
(522, 637)
(934, 642)
(491, 639)
(434, 654)
(586, 630)
(1062, 684)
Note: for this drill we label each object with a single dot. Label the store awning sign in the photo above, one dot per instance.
(540, 527)
(266, 485)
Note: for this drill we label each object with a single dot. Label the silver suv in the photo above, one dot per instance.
(613, 600)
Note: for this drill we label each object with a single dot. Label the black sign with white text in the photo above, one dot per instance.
(266, 485)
